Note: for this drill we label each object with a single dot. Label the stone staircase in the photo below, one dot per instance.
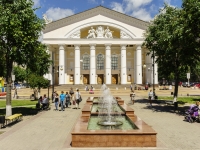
(96, 86)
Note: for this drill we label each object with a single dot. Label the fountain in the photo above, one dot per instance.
(108, 110)
(107, 123)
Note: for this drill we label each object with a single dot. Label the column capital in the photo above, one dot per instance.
(123, 46)
(77, 47)
(138, 47)
(61, 46)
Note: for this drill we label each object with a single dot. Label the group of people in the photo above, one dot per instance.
(151, 96)
(44, 101)
(65, 99)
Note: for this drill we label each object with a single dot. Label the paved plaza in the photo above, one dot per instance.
(50, 130)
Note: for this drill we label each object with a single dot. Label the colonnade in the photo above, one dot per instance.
(138, 65)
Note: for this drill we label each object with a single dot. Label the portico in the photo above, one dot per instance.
(98, 49)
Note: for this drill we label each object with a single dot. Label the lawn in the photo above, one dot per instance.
(17, 103)
(26, 107)
(182, 100)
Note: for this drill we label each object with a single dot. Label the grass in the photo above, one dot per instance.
(18, 103)
(25, 107)
(182, 100)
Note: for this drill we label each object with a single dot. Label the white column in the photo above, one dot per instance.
(138, 65)
(77, 64)
(123, 65)
(108, 63)
(135, 67)
(61, 64)
(92, 64)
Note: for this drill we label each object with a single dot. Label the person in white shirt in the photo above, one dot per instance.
(151, 96)
(77, 98)
(132, 95)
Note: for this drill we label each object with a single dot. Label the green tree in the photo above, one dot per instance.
(168, 39)
(20, 74)
(37, 82)
(20, 30)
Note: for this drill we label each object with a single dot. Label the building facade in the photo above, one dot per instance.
(98, 46)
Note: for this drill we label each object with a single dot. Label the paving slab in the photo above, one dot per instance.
(51, 130)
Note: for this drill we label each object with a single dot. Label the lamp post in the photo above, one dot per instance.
(53, 67)
(144, 66)
(153, 73)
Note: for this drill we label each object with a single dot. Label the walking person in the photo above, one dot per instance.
(67, 99)
(62, 101)
(71, 92)
(132, 96)
(150, 96)
(56, 101)
(15, 93)
(78, 98)
(131, 88)
(54, 96)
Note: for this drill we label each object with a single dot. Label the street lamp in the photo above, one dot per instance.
(144, 66)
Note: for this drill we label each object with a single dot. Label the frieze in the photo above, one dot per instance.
(76, 35)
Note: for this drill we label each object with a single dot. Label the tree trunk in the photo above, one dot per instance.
(8, 91)
(176, 89)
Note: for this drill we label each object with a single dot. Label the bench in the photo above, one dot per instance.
(13, 118)
(2, 121)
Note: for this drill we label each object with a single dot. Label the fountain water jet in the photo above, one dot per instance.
(108, 110)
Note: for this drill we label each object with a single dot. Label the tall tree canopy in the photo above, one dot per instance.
(172, 36)
(20, 29)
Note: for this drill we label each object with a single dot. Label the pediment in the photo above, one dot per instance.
(99, 31)
(100, 10)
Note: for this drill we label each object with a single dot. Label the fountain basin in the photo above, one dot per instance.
(92, 100)
(122, 123)
(144, 136)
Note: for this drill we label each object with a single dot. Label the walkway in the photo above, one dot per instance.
(50, 130)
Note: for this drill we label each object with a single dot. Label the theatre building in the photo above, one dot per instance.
(98, 46)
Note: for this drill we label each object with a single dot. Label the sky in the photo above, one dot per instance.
(141, 9)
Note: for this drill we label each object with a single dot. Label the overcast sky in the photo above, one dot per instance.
(141, 9)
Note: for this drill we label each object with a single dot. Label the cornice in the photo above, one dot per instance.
(100, 10)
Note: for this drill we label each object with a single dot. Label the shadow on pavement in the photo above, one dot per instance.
(23, 110)
(163, 106)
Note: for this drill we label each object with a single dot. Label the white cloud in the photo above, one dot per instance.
(92, 1)
(142, 14)
(58, 13)
(117, 7)
(36, 3)
(135, 4)
(102, 1)
(135, 8)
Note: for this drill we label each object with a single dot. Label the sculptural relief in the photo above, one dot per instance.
(47, 21)
(100, 33)
(75, 35)
(108, 33)
(91, 33)
(124, 35)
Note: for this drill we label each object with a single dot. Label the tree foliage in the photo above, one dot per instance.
(20, 29)
(172, 37)
(20, 74)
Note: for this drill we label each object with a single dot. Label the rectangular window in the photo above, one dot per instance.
(114, 62)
